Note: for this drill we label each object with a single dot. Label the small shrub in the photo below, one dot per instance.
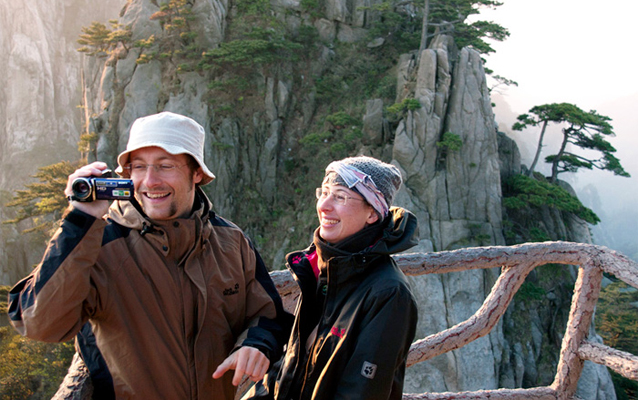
(312, 7)
(398, 111)
(31, 369)
(339, 150)
(530, 292)
(450, 142)
(523, 191)
(87, 142)
(538, 235)
(311, 139)
(341, 120)
(259, 47)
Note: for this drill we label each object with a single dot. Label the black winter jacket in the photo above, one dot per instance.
(364, 312)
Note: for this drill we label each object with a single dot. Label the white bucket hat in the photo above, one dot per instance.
(174, 133)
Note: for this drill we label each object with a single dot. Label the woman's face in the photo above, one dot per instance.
(338, 221)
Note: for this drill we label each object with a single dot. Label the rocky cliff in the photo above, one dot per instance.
(272, 128)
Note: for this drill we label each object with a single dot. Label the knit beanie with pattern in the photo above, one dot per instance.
(386, 177)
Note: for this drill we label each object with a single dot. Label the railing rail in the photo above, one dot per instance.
(516, 263)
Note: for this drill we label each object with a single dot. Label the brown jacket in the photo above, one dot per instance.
(167, 303)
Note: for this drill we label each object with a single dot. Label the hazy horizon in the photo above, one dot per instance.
(576, 51)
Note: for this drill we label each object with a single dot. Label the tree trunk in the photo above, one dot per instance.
(424, 27)
(538, 149)
(558, 156)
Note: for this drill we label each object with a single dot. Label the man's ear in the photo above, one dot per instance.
(198, 175)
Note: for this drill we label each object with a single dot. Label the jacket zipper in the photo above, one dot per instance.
(320, 327)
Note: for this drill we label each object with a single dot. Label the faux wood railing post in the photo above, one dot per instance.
(570, 365)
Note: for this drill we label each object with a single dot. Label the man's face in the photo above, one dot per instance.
(164, 192)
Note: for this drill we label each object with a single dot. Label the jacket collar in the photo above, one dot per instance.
(126, 214)
(350, 257)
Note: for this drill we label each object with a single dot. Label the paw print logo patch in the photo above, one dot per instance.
(368, 370)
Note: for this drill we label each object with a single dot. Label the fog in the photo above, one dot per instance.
(611, 197)
(577, 52)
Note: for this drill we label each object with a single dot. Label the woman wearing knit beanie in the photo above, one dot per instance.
(356, 316)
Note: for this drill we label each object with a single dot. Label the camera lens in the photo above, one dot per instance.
(81, 188)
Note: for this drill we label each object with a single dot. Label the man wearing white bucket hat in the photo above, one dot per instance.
(174, 295)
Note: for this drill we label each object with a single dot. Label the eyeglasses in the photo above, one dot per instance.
(338, 198)
(165, 169)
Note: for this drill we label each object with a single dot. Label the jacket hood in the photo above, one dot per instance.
(396, 233)
(126, 214)
(399, 232)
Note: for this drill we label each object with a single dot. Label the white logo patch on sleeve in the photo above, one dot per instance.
(368, 370)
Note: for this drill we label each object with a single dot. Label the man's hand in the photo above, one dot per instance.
(245, 361)
(95, 208)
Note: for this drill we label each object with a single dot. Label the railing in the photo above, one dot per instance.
(516, 263)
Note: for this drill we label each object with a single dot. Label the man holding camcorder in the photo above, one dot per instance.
(175, 295)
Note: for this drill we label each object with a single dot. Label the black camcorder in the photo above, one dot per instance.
(101, 188)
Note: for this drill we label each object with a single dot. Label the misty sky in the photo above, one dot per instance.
(580, 52)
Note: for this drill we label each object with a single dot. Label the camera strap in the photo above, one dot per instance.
(146, 228)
